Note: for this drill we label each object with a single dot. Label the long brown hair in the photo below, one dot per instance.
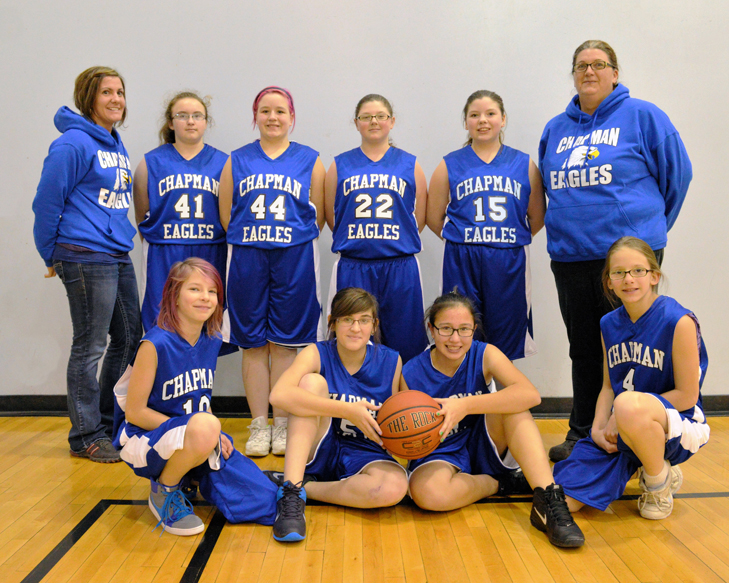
(353, 300)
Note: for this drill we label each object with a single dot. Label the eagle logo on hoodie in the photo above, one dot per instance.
(579, 155)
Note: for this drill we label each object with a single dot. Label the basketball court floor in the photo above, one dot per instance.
(67, 520)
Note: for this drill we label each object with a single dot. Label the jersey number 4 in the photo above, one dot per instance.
(497, 212)
(383, 211)
(628, 380)
(182, 206)
(277, 208)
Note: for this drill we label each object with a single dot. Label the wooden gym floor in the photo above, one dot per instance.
(64, 519)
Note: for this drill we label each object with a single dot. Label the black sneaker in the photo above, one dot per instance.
(551, 515)
(513, 483)
(102, 451)
(278, 478)
(563, 450)
(290, 524)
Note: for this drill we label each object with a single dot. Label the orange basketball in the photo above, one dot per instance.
(409, 424)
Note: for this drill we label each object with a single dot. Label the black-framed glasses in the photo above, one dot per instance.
(448, 331)
(635, 272)
(368, 118)
(349, 321)
(183, 116)
(595, 66)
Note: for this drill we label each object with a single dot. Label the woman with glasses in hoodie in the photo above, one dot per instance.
(612, 166)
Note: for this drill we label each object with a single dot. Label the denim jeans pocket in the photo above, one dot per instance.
(69, 275)
(58, 266)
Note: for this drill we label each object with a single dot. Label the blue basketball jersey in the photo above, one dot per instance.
(640, 354)
(421, 375)
(183, 197)
(184, 380)
(488, 202)
(374, 207)
(373, 381)
(271, 206)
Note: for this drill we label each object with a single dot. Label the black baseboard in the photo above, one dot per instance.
(231, 407)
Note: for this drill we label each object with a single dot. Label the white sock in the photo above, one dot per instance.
(280, 420)
(657, 482)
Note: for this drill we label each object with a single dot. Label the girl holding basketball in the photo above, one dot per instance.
(486, 201)
(375, 200)
(486, 435)
(164, 427)
(331, 391)
(649, 414)
(272, 206)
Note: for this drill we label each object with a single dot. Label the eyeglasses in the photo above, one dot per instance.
(368, 118)
(349, 322)
(595, 66)
(448, 331)
(197, 116)
(635, 272)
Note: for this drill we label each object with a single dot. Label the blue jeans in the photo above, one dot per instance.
(104, 303)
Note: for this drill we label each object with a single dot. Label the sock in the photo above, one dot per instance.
(657, 482)
(280, 420)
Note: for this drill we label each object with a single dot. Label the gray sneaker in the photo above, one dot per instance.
(173, 510)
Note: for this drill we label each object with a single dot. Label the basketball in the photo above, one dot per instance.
(409, 424)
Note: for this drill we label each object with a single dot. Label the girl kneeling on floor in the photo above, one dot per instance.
(163, 423)
(649, 415)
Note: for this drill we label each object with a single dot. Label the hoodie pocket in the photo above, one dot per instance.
(586, 232)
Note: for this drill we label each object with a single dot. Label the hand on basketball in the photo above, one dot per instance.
(226, 447)
(363, 419)
(452, 411)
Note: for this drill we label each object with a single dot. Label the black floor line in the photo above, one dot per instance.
(202, 554)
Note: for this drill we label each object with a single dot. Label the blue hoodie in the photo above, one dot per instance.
(621, 171)
(85, 190)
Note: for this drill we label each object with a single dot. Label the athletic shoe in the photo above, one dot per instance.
(550, 514)
(563, 450)
(259, 443)
(173, 510)
(658, 504)
(513, 483)
(102, 451)
(278, 478)
(278, 440)
(290, 524)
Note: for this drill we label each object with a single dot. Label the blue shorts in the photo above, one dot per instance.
(273, 296)
(156, 264)
(499, 283)
(597, 478)
(471, 451)
(147, 452)
(337, 458)
(397, 285)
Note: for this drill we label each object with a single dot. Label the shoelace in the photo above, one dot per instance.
(292, 506)
(558, 506)
(176, 506)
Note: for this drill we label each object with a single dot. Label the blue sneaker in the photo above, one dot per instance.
(173, 510)
(290, 524)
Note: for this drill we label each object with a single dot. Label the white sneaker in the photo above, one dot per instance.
(259, 443)
(658, 504)
(278, 442)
